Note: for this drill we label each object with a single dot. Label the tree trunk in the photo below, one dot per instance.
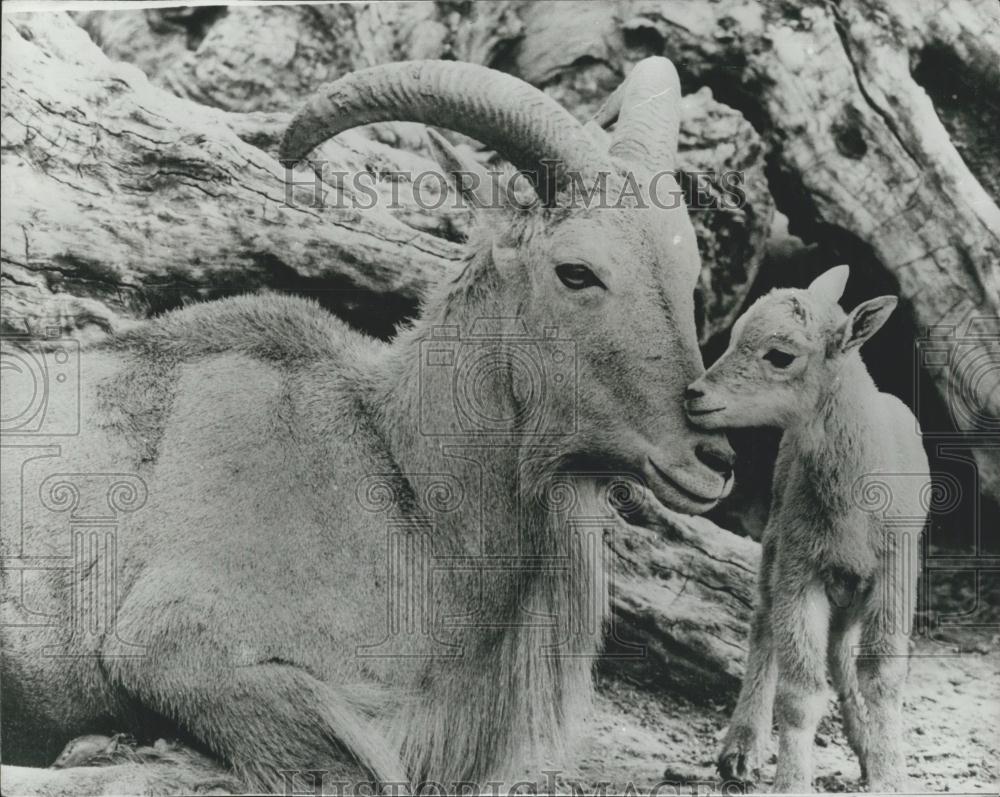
(683, 591)
(123, 200)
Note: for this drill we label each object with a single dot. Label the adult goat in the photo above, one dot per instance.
(302, 478)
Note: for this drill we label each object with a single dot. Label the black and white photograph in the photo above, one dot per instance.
(500, 398)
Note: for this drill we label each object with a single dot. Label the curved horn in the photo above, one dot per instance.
(647, 108)
(517, 120)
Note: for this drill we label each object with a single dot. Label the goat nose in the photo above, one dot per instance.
(719, 456)
(693, 393)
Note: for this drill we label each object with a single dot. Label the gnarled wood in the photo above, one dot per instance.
(123, 200)
(242, 61)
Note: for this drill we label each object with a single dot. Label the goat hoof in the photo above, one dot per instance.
(739, 759)
(82, 750)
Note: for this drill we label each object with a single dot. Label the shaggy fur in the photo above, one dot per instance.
(259, 586)
(839, 570)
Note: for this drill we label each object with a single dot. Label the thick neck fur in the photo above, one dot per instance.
(509, 692)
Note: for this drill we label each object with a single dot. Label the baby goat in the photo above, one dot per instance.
(833, 573)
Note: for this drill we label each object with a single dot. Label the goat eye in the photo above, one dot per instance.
(779, 358)
(576, 277)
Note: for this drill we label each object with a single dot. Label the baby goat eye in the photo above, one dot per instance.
(779, 358)
(576, 277)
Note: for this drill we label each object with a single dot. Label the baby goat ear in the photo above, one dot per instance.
(865, 320)
(830, 285)
(471, 179)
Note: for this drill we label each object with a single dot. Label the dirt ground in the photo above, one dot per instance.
(952, 738)
(952, 716)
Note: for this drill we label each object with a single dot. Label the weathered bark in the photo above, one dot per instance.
(122, 200)
(261, 58)
(682, 597)
(82, 242)
(863, 155)
(244, 61)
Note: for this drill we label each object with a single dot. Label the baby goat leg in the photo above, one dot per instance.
(800, 628)
(750, 726)
(882, 664)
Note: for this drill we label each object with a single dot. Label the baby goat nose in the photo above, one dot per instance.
(693, 393)
(719, 456)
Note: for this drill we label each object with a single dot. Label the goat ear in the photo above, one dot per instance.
(865, 320)
(471, 179)
(830, 285)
